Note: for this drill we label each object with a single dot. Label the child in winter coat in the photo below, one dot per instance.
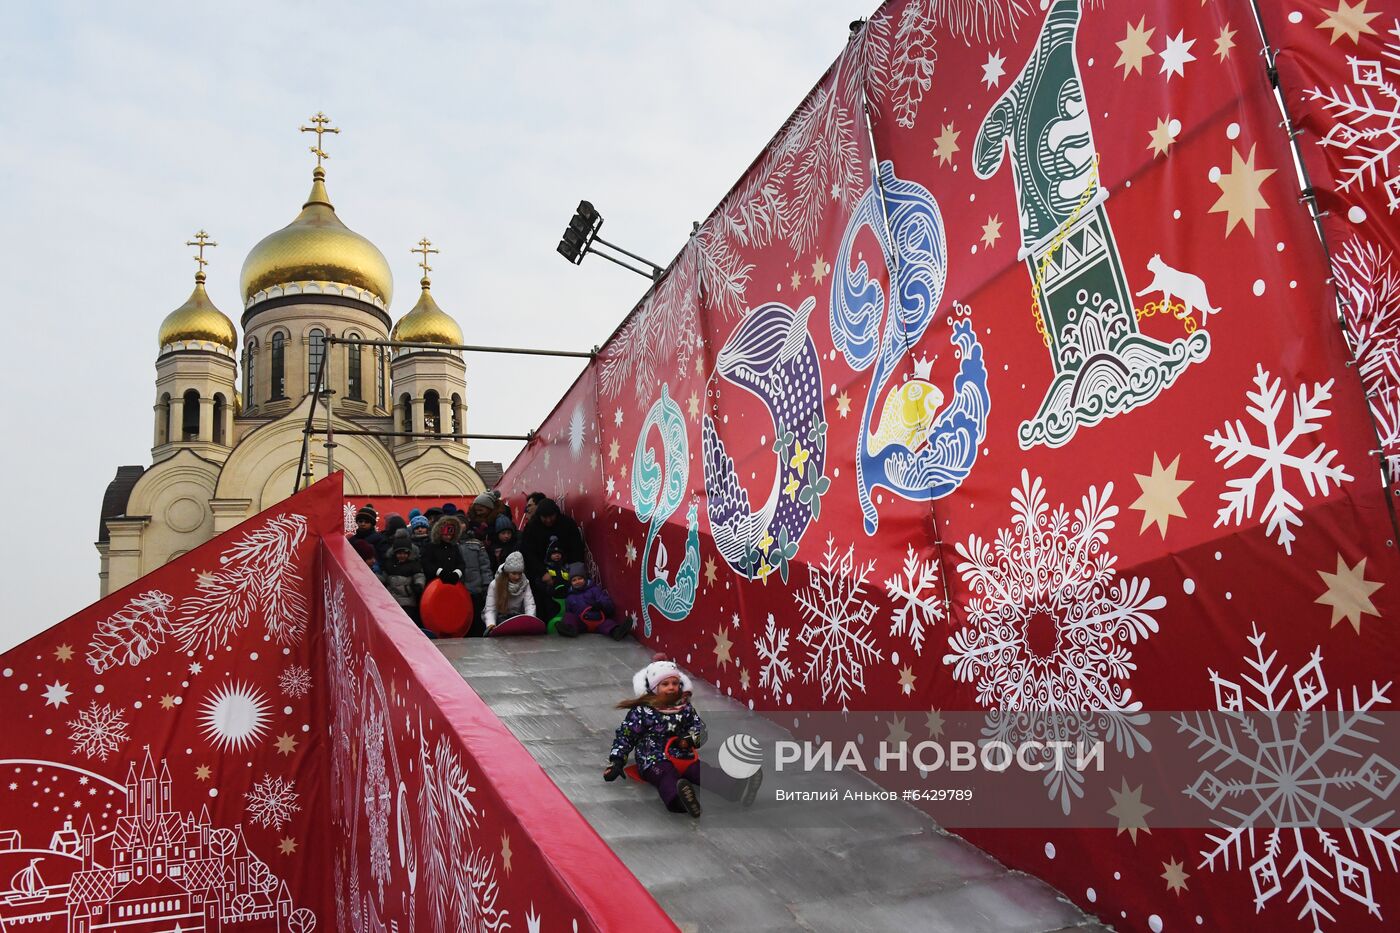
(419, 534)
(476, 577)
(589, 608)
(503, 542)
(402, 575)
(661, 711)
(509, 594)
(443, 557)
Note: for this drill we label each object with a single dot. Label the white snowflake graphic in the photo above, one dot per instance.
(460, 878)
(837, 633)
(577, 430)
(259, 575)
(1368, 284)
(375, 795)
(1048, 630)
(1275, 455)
(133, 633)
(98, 731)
(348, 511)
(1280, 766)
(295, 681)
(1367, 128)
(918, 602)
(272, 801)
(774, 668)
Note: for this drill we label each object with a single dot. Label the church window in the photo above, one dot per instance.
(456, 413)
(353, 361)
(315, 353)
(379, 376)
(432, 416)
(250, 382)
(219, 405)
(189, 427)
(406, 404)
(163, 420)
(279, 367)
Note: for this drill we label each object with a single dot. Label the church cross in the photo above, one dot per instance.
(201, 240)
(321, 127)
(425, 246)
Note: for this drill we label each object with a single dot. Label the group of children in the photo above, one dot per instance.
(481, 550)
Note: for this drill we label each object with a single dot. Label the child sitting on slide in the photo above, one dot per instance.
(509, 594)
(661, 711)
(589, 608)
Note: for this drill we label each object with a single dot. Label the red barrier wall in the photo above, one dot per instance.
(1029, 397)
(254, 737)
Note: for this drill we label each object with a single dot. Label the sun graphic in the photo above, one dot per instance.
(234, 716)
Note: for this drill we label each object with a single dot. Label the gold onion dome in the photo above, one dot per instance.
(198, 319)
(427, 323)
(317, 247)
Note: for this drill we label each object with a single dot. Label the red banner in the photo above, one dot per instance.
(1028, 396)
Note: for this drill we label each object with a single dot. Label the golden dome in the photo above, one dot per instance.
(198, 319)
(427, 323)
(317, 247)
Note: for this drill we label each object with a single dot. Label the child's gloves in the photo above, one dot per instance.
(614, 769)
(449, 576)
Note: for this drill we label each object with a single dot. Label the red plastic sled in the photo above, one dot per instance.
(446, 608)
(519, 625)
(681, 764)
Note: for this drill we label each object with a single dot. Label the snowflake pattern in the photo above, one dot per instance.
(1049, 626)
(774, 668)
(460, 878)
(1315, 468)
(1367, 127)
(258, 576)
(295, 681)
(1368, 284)
(1279, 764)
(272, 801)
(99, 730)
(348, 511)
(132, 634)
(917, 600)
(837, 634)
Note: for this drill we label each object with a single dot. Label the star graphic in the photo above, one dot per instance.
(202, 773)
(906, 680)
(505, 852)
(947, 144)
(897, 733)
(1134, 48)
(835, 191)
(693, 404)
(1175, 876)
(993, 72)
(1349, 593)
(711, 569)
(617, 417)
(56, 694)
(613, 450)
(167, 702)
(1161, 495)
(796, 279)
(1240, 196)
(744, 679)
(63, 653)
(819, 270)
(1129, 810)
(1225, 42)
(843, 404)
(699, 365)
(1176, 55)
(631, 553)
(286, 743)
(933, 722)
(734, 620)
(722, 646)
(196, 667)
(1350, 20)
(991, 231)
(623, 469)
(593, 460)
(1163, 135)
(288, 845)
(612, 487)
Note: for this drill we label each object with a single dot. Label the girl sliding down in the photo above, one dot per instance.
(661, 711)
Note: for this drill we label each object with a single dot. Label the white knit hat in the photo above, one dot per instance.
(514, 562)
(645, 680)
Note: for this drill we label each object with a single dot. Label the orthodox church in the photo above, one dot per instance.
(231, 414)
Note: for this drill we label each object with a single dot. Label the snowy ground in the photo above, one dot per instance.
(733, 869)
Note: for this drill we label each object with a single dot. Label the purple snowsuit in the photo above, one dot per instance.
(590, 610)
(644, 732)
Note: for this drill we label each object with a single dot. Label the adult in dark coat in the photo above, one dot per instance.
(548, 522)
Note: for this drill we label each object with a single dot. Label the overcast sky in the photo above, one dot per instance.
(126, 127)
